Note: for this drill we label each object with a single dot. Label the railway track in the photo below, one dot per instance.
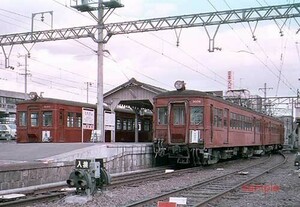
(159, 174)
(124, 179)
(206, 191)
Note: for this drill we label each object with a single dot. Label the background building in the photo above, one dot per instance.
(8, 100)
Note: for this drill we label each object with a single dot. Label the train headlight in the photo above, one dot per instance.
(179, 85)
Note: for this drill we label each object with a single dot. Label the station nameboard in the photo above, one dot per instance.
(88, 118)
(109, 121)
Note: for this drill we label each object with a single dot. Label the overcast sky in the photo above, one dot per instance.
(62, 69)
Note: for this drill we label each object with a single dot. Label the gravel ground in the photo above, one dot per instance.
(284, 177)
(277, 188)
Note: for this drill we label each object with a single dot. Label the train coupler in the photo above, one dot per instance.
(158, 148)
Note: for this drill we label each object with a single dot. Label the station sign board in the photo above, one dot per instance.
(88, 118)
(109, 121)
(82, 164)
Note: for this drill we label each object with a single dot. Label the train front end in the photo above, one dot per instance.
(179, 125)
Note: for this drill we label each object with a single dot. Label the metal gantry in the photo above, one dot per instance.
(147, 25)
(156, 24)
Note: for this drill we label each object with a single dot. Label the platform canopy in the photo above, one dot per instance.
(134, 94)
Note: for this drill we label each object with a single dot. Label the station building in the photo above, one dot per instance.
(8, 100)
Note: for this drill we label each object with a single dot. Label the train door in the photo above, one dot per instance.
(211, 123)
(33, 125)
(263, 136)
(226, 125)
(254, 129)
(61, 125)
(178, 123)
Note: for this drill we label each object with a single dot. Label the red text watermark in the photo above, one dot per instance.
(259, 187)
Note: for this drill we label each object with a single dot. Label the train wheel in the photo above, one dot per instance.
(215, 157)
(195, 157)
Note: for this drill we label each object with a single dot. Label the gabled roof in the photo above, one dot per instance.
(134, 82)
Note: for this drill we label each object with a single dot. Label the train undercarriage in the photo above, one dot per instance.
(199, 155)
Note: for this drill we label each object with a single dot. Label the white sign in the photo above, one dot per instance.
(194, 136)
(46, 136)
(88, 118)
(109, 121)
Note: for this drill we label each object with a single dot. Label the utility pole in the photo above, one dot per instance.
(100, 116)
(26, 74)
(86, 6)
(264, 89)
(87, 90)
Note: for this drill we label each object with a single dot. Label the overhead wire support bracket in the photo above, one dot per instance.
(280, 27)
(177, 33)
(7, 56)
(211, 45)
(253, 30)
(28, 50)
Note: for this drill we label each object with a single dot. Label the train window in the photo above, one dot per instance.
(218, 117)
(78, 120)
(238, 121)
(22, 118)
(74, 119)
(257, 126)
(129, 124)
(178, 113)
(196, 115)
(119, 124)
(47, 118)
(34, 119)
(162, 115)
(139, 125)
(243, 124)
(231, 120)
(70, 120)
(147, 125)
(124, 124)
(225, 115)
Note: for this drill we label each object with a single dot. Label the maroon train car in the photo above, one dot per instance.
(51, 120)
(54, 120)
(194, 127)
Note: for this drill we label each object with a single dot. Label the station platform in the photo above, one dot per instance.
(12, 152)
(30, 164)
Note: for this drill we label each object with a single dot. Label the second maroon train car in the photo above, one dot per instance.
(194, 127)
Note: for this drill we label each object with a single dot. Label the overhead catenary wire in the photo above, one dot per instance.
(176, 61)
(183, 51)
(250, 50)
(283, 51)
(110, 57)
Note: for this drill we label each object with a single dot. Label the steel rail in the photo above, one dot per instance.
(177, 191)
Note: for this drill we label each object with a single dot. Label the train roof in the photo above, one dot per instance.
(74, 103)
(57, 101)
(192, 93)
(177, 93)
